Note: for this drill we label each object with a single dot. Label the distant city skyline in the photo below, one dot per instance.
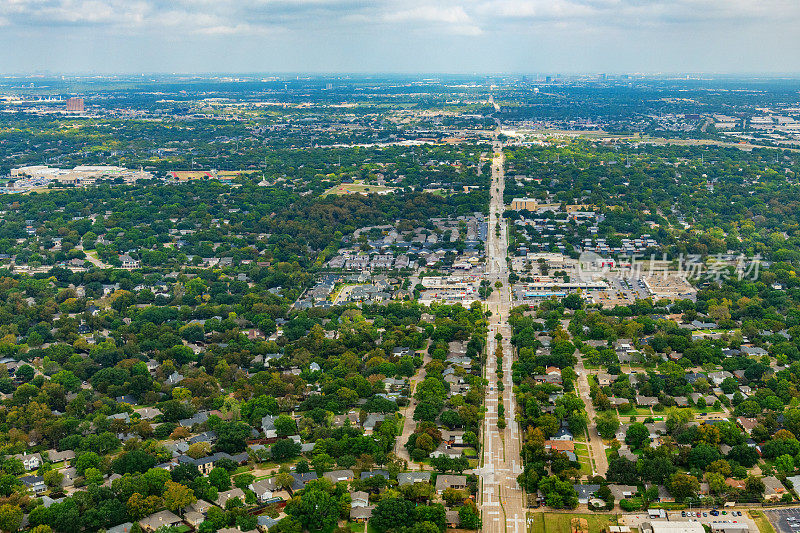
(400, 36)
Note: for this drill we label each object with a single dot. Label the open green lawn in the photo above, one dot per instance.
(609, 451)
(355, 188)
(560, 522)
(329, 529)
(356, 527)
(709, 409)
(764, 526)
(635, 411)
(582, 453)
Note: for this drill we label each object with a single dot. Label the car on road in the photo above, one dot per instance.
(705, 514)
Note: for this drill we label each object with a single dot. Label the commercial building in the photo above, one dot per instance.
(672, 527)
(729, 527)
(518, 204)
(75, 105)
(80, 175)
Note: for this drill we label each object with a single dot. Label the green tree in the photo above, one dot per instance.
(93, 476)
(284, 449)
(637, 435)
(10, 517)
(53, 479)
(284, 480)
(285, 426)
(754, 485)
(177, 496)
(86, 460)
(220, 478)
(607, 424)
(391, 513)
(683, 486)
(470, 518)
(558, 494)
(315, 509)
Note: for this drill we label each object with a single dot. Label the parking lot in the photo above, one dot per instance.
(785, 520)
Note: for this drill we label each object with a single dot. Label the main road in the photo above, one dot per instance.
(502, 500)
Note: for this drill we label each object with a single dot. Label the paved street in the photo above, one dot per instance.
(502, 500)
(408, 413)
(597, 451)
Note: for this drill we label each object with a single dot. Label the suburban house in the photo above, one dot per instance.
(773, 488)
(30, 461)
(336, 476)
(160, 519)
(444, 481)
(264, 488)
(361, 514)
(359, 499)
(223, 497)
(409, 478)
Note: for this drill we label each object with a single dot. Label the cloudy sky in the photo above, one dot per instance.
(457, 36)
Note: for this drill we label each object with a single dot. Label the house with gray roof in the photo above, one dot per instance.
(409, 478)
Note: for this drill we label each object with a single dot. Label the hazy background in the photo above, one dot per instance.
(715, 36)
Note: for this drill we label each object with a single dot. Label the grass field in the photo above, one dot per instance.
(635, 411)
(709, 409)
(560, 522)
(762, 522)
(356, 188)
(582, 453)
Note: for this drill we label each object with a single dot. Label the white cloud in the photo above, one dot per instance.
(245, 15)
(453, 19)
(449, 15)
(501, 29)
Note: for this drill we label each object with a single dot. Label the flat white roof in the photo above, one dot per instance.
(677, 527)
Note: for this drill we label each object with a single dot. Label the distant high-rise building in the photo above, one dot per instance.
(548, 79)
(75, 105)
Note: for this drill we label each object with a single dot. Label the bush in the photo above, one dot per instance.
(633, 504)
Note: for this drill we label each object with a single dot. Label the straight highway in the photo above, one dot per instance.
(502, 500)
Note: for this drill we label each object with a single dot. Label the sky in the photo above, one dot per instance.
(400, 36)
